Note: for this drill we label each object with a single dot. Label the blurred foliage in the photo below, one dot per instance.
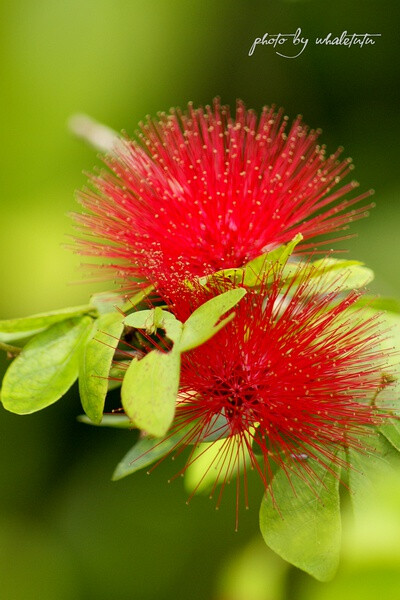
(66, 531)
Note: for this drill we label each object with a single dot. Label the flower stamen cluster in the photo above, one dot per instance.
(201, 190)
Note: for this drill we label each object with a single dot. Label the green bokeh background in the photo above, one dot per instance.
(66, 531)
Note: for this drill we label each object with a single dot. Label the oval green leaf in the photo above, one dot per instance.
(146, 451)
(107, 302)
(300, 519)
(209, 465)
(46, 368)
(391, 431)
(347, 274)
(368, 468)
(255, 269)
(379, 303)
(34, 323)
(203, 322)
(341, 274)
(137, 298)
(149, 391)
(95, 363)
(206, 467)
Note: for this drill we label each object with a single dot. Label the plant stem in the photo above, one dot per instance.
(11, 350)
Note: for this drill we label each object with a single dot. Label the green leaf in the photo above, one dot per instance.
(348, 274)
(149, 391)
(217, 429)
(19, 336)
(391, 341)
(107, 302)
(253, 272)
(95, 363)
(379, 304)
(209, 464)
(137, 298)
(203, 322)
(254, 269)
(300, 519)
(342, 274)
(147, 451)
(154, 319)
(391, 431)
(206, 467)
(118, 421)
(46, 368)
(332, 264)
(367, 469)
(14, 329)
(234, 274)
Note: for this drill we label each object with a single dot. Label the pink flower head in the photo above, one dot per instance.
(199, 191)
(291, 378)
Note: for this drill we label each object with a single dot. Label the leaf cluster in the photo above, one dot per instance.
(101, 345)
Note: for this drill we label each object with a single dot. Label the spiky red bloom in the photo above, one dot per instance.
(292, 377)
(199, 191)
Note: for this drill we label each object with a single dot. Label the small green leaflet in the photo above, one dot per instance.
(343, 274)
(137, 298)
(14, 329)
(340, 274)
(19, 336)
(216, 429)
(253, 272)
(206, 467)
(107, 302)
(378, 303)
(367, 469)
(348, 274)
(149, 391)
(391, 430)
(150, 385)
(303, 526)
(209, 464)
(46, 368)
(95, 363)
(146, 451)
(203, 322)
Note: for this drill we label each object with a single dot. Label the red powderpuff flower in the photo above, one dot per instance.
(199, 191)
(292, 378)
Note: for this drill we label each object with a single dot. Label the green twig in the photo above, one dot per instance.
(11, 350)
